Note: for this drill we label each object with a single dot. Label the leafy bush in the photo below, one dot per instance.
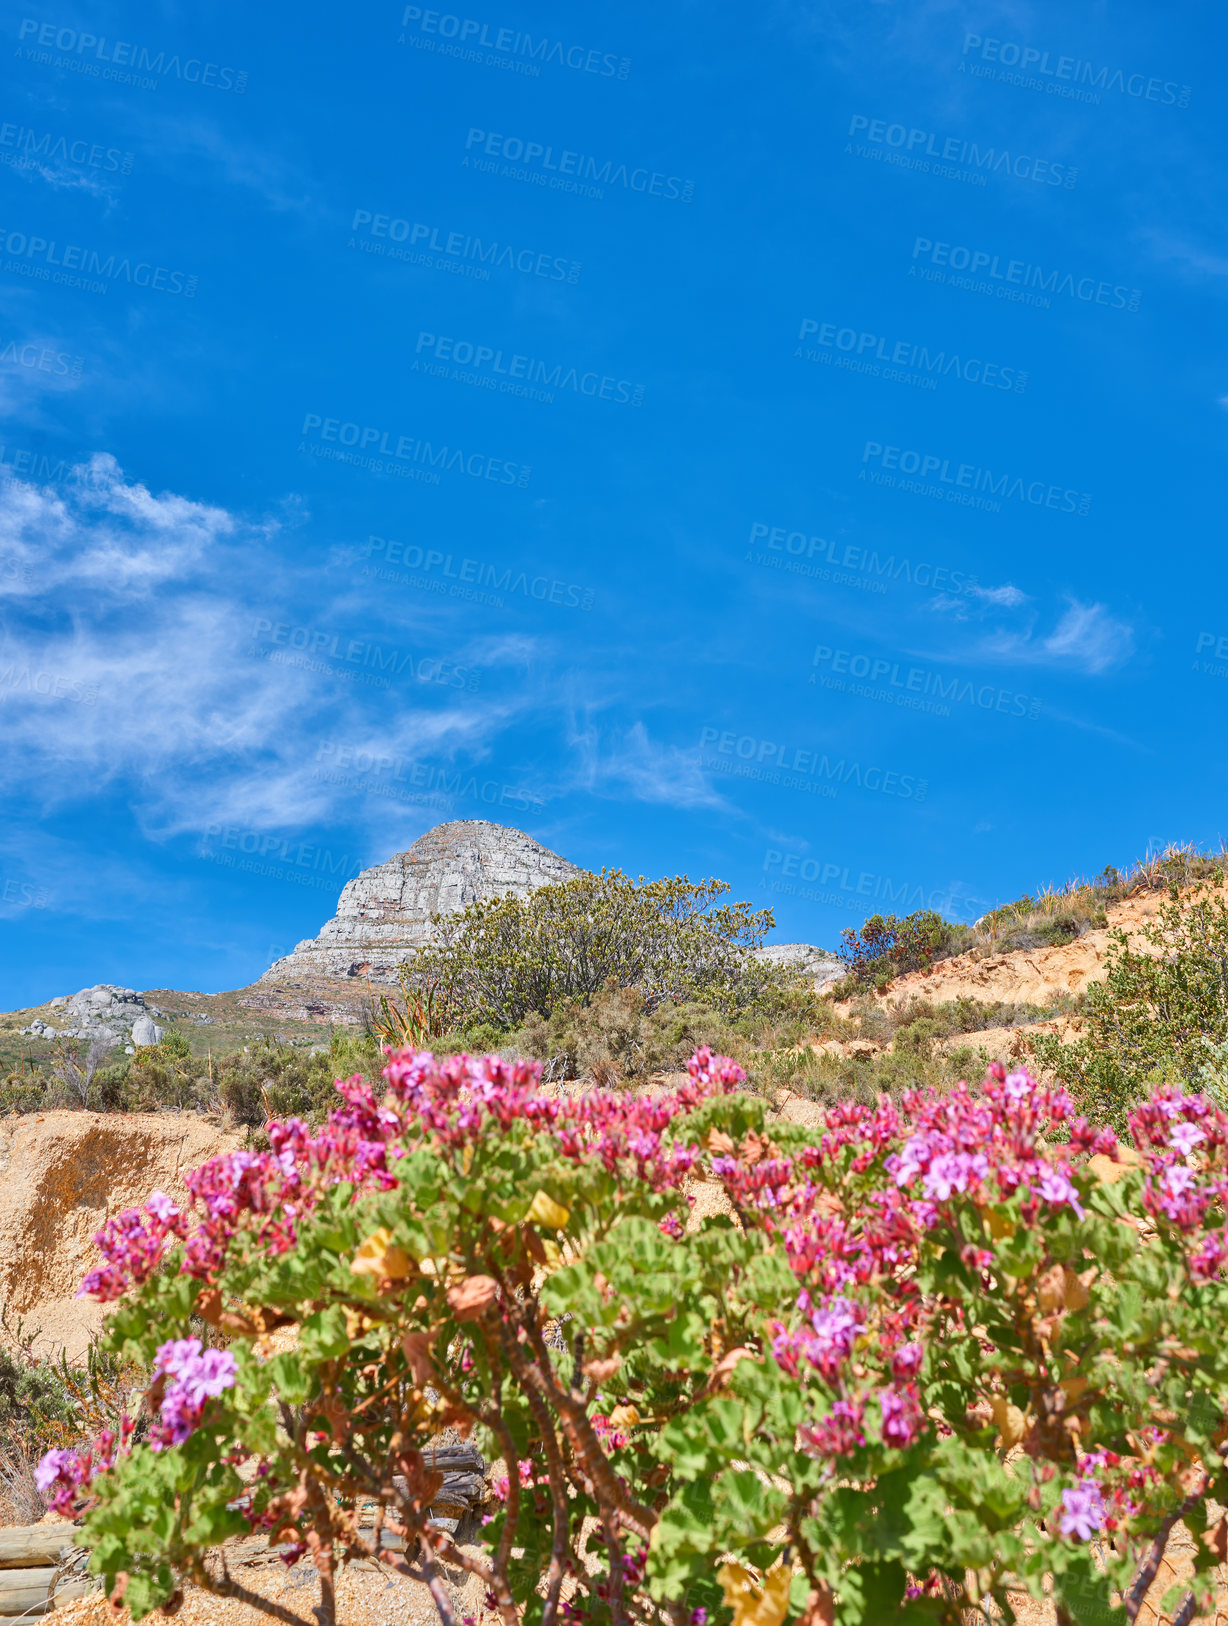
(930, 1355)
(887, 947)
(272, 1080)
(49, 1404)
(504, 959)
(267, 1079)
(618, 1035)
(1156, 1012)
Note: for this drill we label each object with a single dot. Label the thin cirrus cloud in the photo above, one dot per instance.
(630, 762)
(1088, 638)
(126, 659)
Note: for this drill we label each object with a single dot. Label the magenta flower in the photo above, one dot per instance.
(839, 1433)
(906, 1362)
(901, 1416)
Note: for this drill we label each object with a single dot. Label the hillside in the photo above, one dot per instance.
(1040, 978)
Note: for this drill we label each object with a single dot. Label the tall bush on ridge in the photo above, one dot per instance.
(503, 959)
(887, 947)
(930, 1354)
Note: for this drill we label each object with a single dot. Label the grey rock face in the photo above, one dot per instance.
(385, 912)
(145, 1031)
(104, 1012)
(821, 966)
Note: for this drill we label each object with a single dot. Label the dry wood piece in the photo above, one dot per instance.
(464, 1476)
(23, 1545)
(37, 1593)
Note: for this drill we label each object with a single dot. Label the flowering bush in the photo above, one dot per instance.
(928, 1356)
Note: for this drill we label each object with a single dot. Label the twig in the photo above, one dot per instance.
(438, 1591)
(536, 1374)
(1185, 1614)
(1133, 1600)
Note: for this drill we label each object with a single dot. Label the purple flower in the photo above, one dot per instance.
(1055, 1187)
(835, 1330)
(1178, 1180)
(954, 1171)
(910, 1160)
(52, 1466)
(1019, 1086)
(172, 1356)
(197, 1376)
(1184, 1138)
(161, 1207)
(1082, 1510)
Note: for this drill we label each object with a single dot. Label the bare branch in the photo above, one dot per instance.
(1133, 1600)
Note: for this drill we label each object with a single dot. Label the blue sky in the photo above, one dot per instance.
(781, 443)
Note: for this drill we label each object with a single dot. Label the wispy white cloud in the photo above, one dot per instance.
(976, 602)
(630, 762)
(126, 658)
(271, 175)
(1087, 637)
(1090, 637)
(1006, 596)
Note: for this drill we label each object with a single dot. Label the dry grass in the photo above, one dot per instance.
(1060, 914)
(20, 1501)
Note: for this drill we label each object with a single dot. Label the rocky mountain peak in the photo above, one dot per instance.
(386, 911)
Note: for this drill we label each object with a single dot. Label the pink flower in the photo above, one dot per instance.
(901, 1415)
(839, 1433)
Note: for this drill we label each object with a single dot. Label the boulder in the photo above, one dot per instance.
(820, 965)
(145, 1031)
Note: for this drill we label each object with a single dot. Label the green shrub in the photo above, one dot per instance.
(504, 959)
(887, 947)
(274, 1080)
(618, 1035)
(1155, 1014)
(266, 1079)
(25, 1091)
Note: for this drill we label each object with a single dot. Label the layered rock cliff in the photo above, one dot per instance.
(386, 911)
